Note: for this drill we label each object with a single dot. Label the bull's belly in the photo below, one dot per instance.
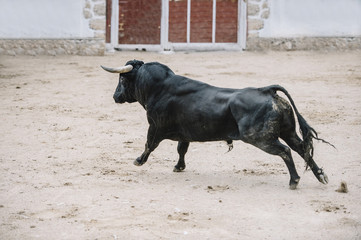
(204, 133)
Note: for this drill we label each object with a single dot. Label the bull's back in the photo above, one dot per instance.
(199, 112)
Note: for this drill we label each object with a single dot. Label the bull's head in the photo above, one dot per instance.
(125, 91)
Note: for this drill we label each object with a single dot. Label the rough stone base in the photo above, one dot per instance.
(52, 47)
(310, 43)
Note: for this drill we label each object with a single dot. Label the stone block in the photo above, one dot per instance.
(255, 24)
(252, 9)
(97, 24)
(99, 9)
(39, 51)
(99, 34)
(87, 5)
(265, 14)
(265, 5)
(11, 52)
(87, 14)
(19, 50)
(51, 52)
(60, 51)
(30, 52)
(253, 34)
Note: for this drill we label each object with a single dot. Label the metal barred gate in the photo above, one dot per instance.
(176, 24)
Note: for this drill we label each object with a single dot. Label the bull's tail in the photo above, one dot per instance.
(308, 133)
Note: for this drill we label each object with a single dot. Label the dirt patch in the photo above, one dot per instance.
(67, 152)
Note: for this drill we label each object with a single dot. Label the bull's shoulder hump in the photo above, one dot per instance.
(156, 71)
(181, 80)
(183, 85)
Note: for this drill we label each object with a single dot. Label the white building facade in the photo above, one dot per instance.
(90, 27)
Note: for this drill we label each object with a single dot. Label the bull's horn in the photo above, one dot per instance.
(123, 69)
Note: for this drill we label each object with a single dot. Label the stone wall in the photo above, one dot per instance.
(304, 43)
(93, 12)
(89, 46)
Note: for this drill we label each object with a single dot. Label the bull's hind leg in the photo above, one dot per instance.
(182, 150)
(277, 148)
(297, 145)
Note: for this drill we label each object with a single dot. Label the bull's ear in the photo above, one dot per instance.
(123, 69)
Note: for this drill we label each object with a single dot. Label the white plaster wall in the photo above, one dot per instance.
(313, 18)
(43, 19)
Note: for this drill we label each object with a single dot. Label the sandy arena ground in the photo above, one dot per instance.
(67, 151)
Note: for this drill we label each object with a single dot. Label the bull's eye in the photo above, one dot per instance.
(124, 83)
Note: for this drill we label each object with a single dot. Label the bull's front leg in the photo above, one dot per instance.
(152, 143)
(144, 157)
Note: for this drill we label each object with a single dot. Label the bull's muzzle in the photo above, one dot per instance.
(118, 98)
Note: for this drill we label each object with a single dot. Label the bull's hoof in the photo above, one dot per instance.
(178, 169)
(294, 183)
(322, 177)
(138, 162)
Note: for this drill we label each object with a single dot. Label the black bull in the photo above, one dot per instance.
(185, 110)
